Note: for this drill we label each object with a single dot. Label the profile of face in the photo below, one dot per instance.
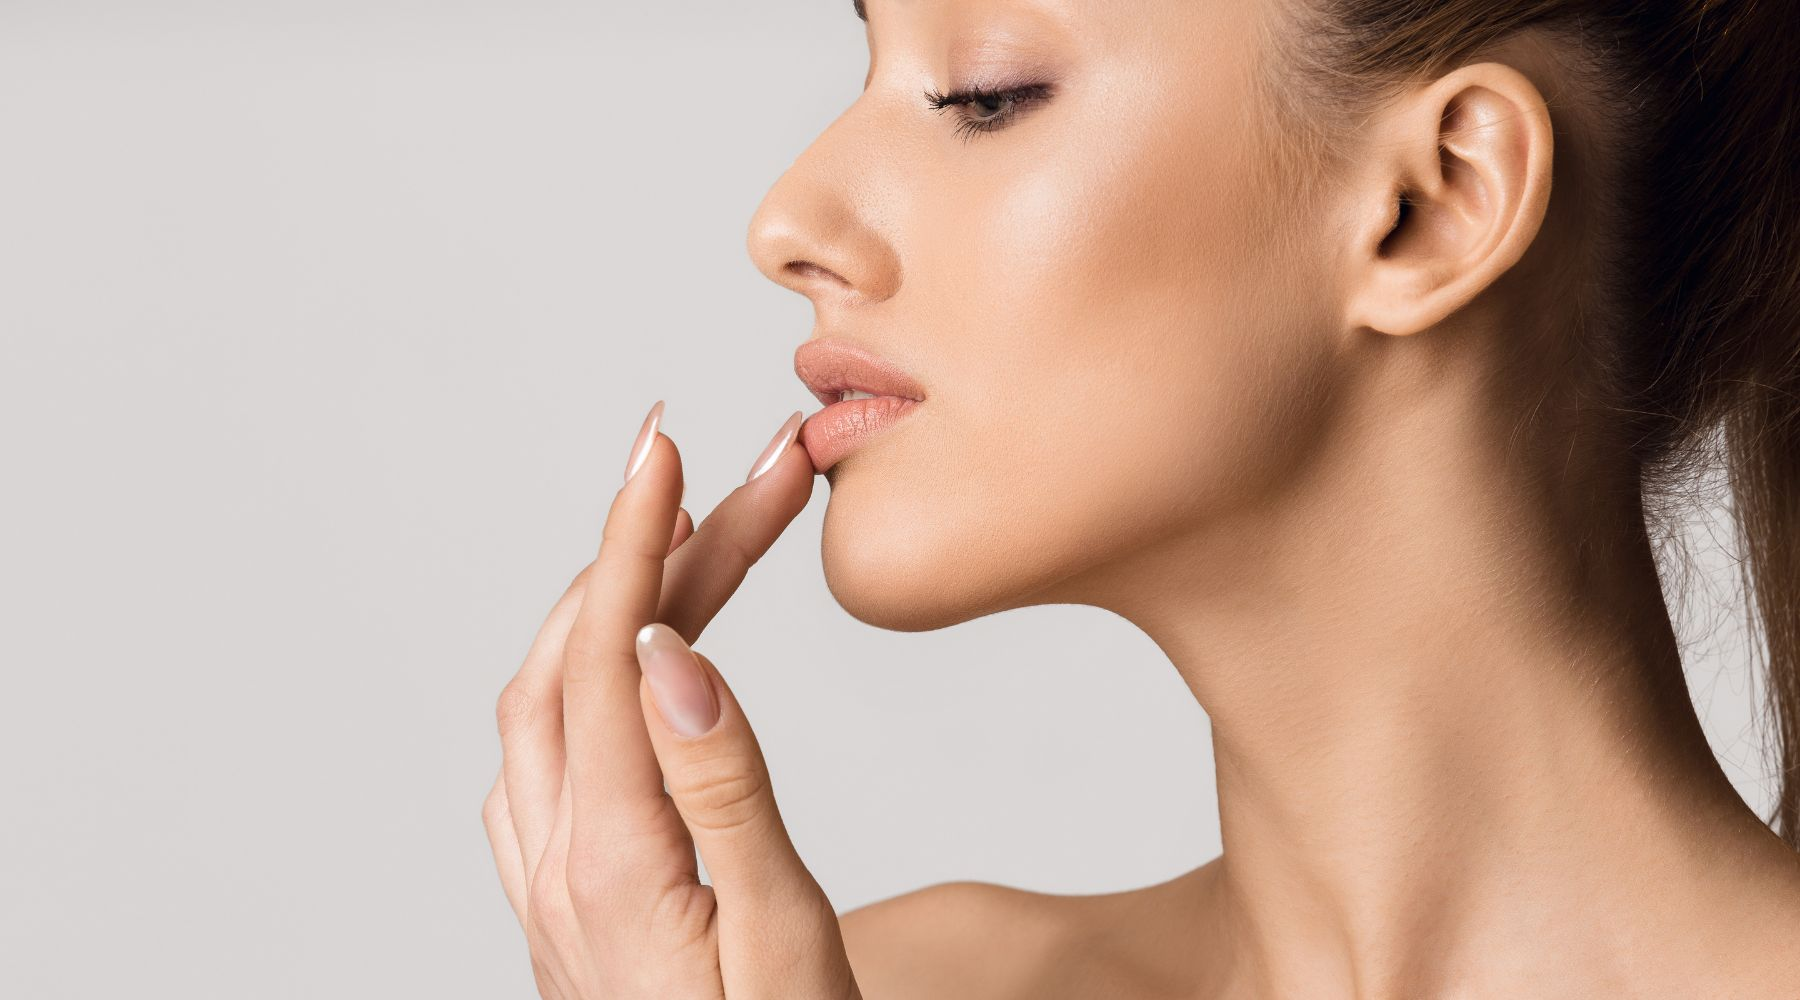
(1122, 320)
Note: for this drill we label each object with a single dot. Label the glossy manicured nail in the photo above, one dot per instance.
(677, 683)
(783, 438)
(640, 449)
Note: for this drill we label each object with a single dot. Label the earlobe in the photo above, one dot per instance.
(1458, 185)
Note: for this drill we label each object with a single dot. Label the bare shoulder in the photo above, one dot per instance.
(982, 941)
(970, 940)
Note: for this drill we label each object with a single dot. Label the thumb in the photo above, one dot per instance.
(716, 775)
(778, 933)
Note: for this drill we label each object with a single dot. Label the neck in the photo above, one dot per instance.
(1447, 710)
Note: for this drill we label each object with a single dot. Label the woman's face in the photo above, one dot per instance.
(1120, 321)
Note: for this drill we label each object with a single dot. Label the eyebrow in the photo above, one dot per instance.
(860, 11)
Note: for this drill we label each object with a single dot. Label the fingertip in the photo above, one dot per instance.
(787, 485)
(777, 448)
(645, 443)
(678, 682)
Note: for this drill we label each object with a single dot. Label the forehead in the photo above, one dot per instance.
(1167, 21)
(1164, 39)
(879, 13)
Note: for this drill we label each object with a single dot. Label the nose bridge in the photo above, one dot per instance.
(816, 230)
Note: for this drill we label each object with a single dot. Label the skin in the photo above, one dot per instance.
(1327, 454)
(596, 857)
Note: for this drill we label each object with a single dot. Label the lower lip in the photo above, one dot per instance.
(841, 428)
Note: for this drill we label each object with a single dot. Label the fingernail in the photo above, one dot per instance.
(677, 684)
(783, 438)
(640, 449)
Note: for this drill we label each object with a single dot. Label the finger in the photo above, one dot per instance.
(615, 788)
(529, 715)
(769, 904)
(496, 816)
(707, 569)
(684, 526)
(713, 767)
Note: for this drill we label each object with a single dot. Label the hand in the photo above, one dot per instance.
(596, 859)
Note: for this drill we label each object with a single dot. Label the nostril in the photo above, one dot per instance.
(807, 269)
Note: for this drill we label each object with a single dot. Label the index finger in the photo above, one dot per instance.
(703, 573)
(611, 766)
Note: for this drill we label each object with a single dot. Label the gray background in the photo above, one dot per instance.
(327, 327)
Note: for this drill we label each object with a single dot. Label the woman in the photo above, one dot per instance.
(1345, 347)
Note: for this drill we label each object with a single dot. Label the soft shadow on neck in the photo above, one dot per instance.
(1449, 723)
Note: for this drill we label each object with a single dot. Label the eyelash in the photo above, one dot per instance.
(1009, 99)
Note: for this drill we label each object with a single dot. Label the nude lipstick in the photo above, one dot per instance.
(881, 394)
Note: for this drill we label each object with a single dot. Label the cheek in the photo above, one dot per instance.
(1074, 418)
(1150, 379)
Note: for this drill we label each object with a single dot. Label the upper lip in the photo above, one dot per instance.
(829, 365)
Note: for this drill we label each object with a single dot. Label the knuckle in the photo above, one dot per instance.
(620, 540)
(586, 649)
(683, 918)
(726, 548)
(607, 876)
(740, 554)
(725, 794)
(592, 881)
(514, 707)
(579, 583)
(684, 911)
(591, 890)
(494, 808)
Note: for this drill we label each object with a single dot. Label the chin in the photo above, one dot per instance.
(885, 574)
(895, 565)
(908, 566)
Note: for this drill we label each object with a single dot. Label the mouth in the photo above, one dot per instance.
(832, 367)
(863, 395)
(843, 427)
(829, 397)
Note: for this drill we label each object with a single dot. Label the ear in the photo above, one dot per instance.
(1457, 183)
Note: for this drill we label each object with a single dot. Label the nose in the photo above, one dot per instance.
(815, 230)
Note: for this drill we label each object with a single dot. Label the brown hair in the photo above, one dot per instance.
(1696, 284)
